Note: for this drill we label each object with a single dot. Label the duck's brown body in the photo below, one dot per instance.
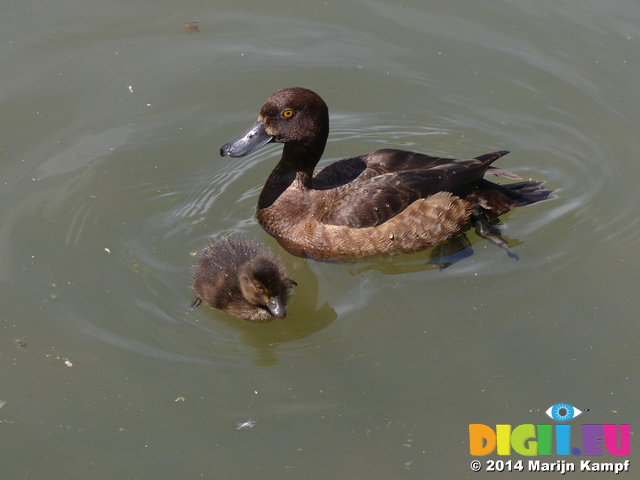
(387, 202)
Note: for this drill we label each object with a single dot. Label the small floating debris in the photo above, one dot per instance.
(190, 27)
(248, 424)
(67, 362)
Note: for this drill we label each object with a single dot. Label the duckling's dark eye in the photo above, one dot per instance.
(259, 288)
(287, 113)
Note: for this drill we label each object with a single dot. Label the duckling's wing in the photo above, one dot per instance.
(373, 198)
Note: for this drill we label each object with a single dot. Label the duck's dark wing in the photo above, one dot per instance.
(377, 163)
(389, 161)
(388, 182)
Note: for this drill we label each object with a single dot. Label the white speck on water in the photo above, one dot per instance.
(248, 424)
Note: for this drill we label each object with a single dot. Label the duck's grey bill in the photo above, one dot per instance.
(276, 308)
(248, 142)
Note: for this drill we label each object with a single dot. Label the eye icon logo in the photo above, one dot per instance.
(563, 412)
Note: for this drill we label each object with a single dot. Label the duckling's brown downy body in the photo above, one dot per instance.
(243, 280)
(383, 203)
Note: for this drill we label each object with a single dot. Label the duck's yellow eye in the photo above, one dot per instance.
(287, 113)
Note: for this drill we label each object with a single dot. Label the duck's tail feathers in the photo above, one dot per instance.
(495, 200)
(526, 193)
(489, 158)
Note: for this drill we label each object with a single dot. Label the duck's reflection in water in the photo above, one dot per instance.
(439, 258)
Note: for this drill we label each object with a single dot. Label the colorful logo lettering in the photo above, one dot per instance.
(531, 440)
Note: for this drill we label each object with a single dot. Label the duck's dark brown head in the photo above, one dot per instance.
(295, 116)
(263, 283)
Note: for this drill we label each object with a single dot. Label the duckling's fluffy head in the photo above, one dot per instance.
(264, 284)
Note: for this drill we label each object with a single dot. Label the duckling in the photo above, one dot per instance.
(243, 280)
(384, 203)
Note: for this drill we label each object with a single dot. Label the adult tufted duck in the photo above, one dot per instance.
(386, 202)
